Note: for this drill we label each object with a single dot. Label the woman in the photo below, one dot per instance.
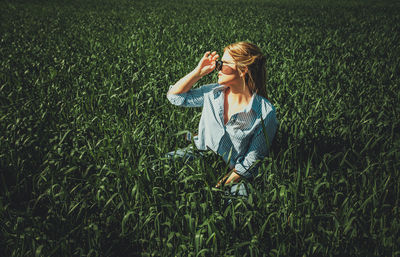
(234, 109)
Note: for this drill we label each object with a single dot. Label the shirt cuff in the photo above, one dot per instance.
(246, 173)
(176, 99)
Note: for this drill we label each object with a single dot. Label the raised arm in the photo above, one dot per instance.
(205, 66)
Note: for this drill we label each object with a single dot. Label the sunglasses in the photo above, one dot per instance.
(219, 65)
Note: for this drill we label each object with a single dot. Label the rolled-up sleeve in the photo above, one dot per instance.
(246, 165)
(176, 99)
(192, 98)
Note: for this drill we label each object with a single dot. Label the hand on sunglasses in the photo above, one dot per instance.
(207, 63)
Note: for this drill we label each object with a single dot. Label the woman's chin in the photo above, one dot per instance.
(221, 81)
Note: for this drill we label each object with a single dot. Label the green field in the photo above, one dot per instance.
(85, 122)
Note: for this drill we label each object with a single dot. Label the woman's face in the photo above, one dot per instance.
(229, 74)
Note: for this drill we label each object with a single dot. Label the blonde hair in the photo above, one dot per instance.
(249, 55)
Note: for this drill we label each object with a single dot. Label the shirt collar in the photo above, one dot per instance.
(252, 104)
(218, 90)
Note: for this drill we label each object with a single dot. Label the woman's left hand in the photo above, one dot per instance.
(232, 177)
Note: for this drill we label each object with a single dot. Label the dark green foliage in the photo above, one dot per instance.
(84, 124)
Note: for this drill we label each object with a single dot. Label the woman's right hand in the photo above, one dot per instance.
(205, 66)
(207, 63)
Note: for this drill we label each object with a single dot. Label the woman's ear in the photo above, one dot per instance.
(244, 72)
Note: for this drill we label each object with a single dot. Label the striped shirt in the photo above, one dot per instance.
(242, 140)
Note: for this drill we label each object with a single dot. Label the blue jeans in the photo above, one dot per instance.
(189, 154)
(185, 155)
